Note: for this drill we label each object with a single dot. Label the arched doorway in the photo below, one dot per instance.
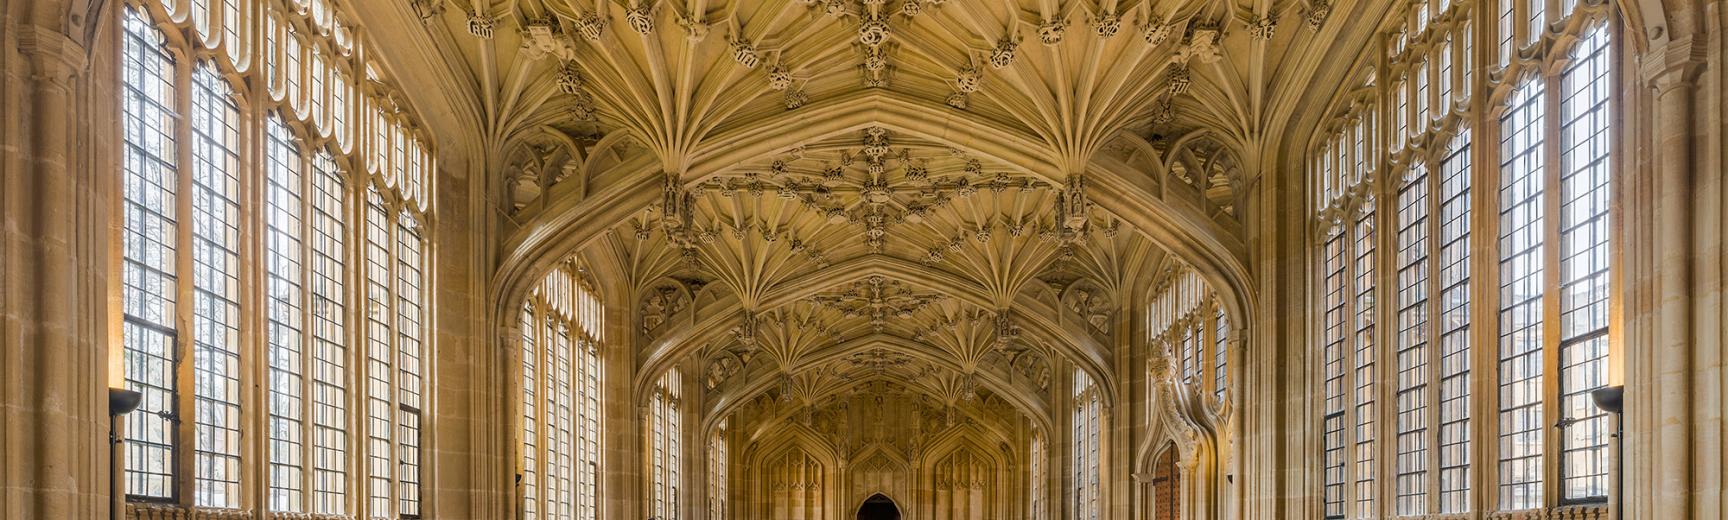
(1166, 487)
(878, 507)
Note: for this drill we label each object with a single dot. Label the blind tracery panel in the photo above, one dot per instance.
(560, 429)
(299, 343)
(1547, 181)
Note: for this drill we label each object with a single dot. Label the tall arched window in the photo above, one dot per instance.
(1038, 477)
(1185, 318)
(560, 436)
(193, 340)
(1545, 342)
(1087, 420)
(666, 448)
(719, 470)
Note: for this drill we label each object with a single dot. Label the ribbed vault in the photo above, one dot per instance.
(951, 201)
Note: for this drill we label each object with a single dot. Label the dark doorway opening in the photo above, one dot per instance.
(878, 507)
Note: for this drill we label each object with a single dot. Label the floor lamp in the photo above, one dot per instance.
(120, 402)
(1612, 400)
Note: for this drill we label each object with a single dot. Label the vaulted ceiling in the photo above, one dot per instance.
(950, 197)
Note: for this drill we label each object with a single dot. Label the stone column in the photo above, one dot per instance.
(1675, 83)
(51, 292)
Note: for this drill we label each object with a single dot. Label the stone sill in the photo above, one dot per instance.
(149, 511)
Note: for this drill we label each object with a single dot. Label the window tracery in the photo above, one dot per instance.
(310, 179)
(1083, 450)
(666, 444)
(561, 374)
(1186, 319)
(1547, 270)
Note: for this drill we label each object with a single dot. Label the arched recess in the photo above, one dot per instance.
(568, 225)
(964, 451)
(793, 476)
(1179, 431)
(1164, 501)
(877, 471)
(879, 507)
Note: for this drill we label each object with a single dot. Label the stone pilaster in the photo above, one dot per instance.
(52, 288)
(1669, 395)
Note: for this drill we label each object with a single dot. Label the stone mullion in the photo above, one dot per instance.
(308, 346)
(1551, 329)
(393, 324)
(185, 392)
(354, 234)
(1385, 312)
(693, 446)
(1435, 323)
(1484, 262)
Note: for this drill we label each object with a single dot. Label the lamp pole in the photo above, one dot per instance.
(121, 401)
(1612, 399)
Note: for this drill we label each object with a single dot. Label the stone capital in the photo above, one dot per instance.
(54, 58)
(1675, 66)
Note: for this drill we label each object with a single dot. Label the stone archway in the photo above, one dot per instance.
(878, 507)
(1166, 487)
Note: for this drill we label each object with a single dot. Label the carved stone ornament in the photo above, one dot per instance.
(745, 332)
(660, 304)
(958, 100)
(745, 53)
(1052, 31)
(1180, 78)
(721, 368)
(1157, 32)
(675, 202)
(836, 8)
(795, 98)
(1005, 329)
(969, 80)
(543, 38)
(1107, 24)
(524, 188)
(1091, 304)
(1003, 54)
(1178, 427)
(878, 360)
(1317, 13)
(591, 25)
(779, 78)
(570, 79)
(695, 29)
(1264, 27)
(911, 8)
(877, 299)
(1203, 45)
(874, 30)
(1073, 209)
(426, 10)
(481, 25)
(640, 18)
